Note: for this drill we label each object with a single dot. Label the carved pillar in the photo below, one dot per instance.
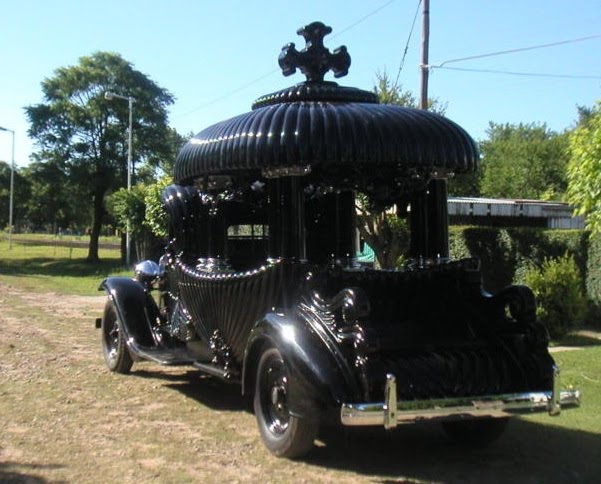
(345, 226)
(429, 221)
(438, 219)
(418, 220)
(286, 218)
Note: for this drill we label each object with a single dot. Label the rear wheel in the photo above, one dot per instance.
(479, 431)
(114, 348)
(283, 434)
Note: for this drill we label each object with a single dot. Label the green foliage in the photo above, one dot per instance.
(465, 185)
(76, 126)
(389, 93)
(584, 169)
(593, 274)
(523, 161)
(142, 209)
(155, 217)
(506, 253)
(57, 203)
(557, 285)
(128, 208)
(22, 191)
(386, 233)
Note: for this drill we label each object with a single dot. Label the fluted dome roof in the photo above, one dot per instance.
(319, 126)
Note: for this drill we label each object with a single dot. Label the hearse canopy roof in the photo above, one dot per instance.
(320, 127)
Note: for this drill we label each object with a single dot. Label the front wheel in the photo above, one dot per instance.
(283, 434)
(114, 348)
(476, 432)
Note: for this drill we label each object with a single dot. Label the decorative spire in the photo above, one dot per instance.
(314, 60)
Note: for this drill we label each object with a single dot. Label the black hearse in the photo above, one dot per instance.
(259, 284)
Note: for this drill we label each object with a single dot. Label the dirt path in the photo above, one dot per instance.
(65, 418)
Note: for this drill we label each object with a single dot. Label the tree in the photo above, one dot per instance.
(523, 161)
(584, 168)
(21, 193)
(77, 126)
(155, 216)
(164, 166)
(57, 203)
(142, 208)
(386, 233)
(389, 93)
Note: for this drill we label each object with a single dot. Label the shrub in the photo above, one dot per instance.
(561, 303)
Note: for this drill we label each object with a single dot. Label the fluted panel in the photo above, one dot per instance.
(327, 134)
(460, 372)
(233, 303)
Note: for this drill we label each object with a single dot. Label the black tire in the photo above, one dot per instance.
(477, 432)
(283, 434)
(116, 355)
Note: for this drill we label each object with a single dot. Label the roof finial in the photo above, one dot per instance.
(314, 60)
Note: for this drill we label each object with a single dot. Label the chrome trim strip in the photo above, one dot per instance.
(381, 413)
(390, 405)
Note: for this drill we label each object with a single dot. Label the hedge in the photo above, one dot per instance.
(506, 253)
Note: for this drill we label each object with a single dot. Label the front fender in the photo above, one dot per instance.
(135, 307)
(317, 380)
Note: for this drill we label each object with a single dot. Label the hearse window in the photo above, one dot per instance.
(248, 231)
(246, 237)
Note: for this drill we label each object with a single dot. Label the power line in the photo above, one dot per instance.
(513, 73)
(519, 49)
(362, 19)
(396, 81)
(270, 73)
(226, 95)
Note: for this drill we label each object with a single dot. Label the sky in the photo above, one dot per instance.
(217, 57)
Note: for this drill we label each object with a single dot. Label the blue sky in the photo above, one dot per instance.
(216, 57)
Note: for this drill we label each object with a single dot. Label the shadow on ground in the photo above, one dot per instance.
(527, 453)
(14, 472)
(209, 391)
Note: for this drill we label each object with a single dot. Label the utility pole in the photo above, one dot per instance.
(130, 102)
(423, 102)
(12, 189)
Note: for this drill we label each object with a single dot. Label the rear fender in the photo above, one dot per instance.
(135, 307)
(316, 380)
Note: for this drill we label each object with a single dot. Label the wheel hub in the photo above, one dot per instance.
(278, 397)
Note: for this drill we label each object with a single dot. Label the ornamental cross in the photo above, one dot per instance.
(314, 60)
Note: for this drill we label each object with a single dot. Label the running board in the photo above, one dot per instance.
(164, 356)
(218, 371)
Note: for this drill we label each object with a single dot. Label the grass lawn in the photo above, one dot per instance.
(54, 268)
(58, 404)
(65, 270)
(580, 369)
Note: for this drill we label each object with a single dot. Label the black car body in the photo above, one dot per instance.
(259, 283)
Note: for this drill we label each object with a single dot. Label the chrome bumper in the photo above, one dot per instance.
(392, 412)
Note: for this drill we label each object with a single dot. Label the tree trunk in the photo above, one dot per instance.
(123, 242)
(96, 224)
(388, 242)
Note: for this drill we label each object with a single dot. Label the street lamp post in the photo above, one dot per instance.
(130, 101)
(12, 186)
